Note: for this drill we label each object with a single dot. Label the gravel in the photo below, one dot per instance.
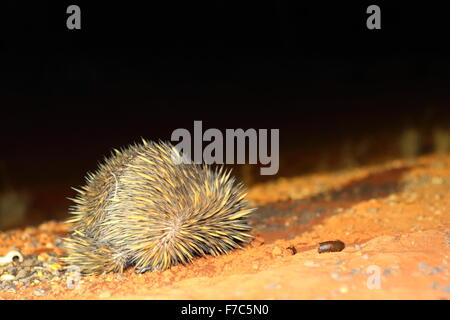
(31, 271)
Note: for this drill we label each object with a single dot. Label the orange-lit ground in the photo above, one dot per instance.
(392, 217)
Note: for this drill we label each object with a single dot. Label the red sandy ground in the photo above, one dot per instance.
(394, 217)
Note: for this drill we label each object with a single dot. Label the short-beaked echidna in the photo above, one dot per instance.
(144, 208)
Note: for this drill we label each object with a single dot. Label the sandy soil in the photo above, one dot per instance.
(393, 219)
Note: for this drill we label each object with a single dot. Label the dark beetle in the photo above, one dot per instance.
(331, 246)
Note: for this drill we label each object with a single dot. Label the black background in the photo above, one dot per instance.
(311, 69)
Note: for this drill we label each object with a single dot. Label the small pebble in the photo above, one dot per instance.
(11, 290)
(104, 294)
(365, 256)
(119, 276)
(446, 289)
(422, 266)
(435, 285)
(12, 270)
(54, 266)
(309, 263)
(22, 274)
(273, 286)
(435, 270)
(292, 249)
(27, 263)
(343, 289)
(437, 180)
(7, 277)
(387, 272)
(240, 292)
(39, 292)
(357, 247)
(277, 251)
(335, 275)
(372, 210)
(337, 262)
(355, 271)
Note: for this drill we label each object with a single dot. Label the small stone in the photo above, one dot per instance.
(372, 210)
(337, 262)
(28, 263)
(392, 198)
(11, 290)
(309, 263)
(435, 285)
(12, 270)
(7, 277)
(422, 266)
(355, 271)
(54, 266)
(357, 247)
(365, 256)
(58, 242)
(387, 272)
(343, 289)
(335, 275)
(276, 251)
(43, 257)
(240, 292)
(23, 273)
(120, 276)
(446, 289)
(104, 294)
(39, 292)
(435, 270)
(273, 286)
(292, 249)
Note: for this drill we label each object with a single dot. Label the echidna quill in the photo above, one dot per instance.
(142, 208)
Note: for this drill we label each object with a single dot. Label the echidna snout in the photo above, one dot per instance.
(142, 207)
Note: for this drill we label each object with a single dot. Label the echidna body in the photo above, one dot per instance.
(144, 208)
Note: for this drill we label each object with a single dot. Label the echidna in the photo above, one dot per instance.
(144, 208)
